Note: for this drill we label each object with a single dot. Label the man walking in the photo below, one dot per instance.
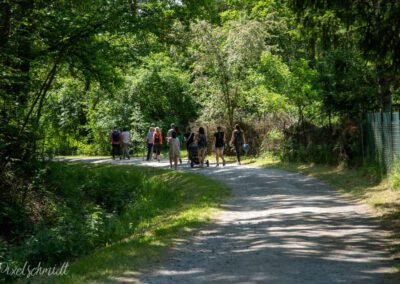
(115, 141)
(149, 142)
(125, 141)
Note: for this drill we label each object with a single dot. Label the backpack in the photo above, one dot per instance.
(115, 136)
(238, 137)
(157, 139)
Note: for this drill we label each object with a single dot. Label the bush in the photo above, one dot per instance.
(89, 206)
(394, 176)
(272, 141)
(334, 145)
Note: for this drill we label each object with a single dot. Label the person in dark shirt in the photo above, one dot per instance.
(219, 144)
(115, 141)
(189, 138)
(202, 144)
(237, 141)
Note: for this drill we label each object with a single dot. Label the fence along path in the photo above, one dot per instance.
(382, 141)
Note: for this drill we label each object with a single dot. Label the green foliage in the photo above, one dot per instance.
(99, 65)
(348, 86)
(79, 116)
(90, 206)
(394, 177)
(223, 55)
(163, 91)
(70, 71)
(60, 62)
(267, 85)
(368, 25)
(271, 145)
(275, 134)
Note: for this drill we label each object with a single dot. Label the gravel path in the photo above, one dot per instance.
(278, 227)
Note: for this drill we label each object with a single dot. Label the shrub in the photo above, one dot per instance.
(324, 145)
(86, 207)
(394, 176)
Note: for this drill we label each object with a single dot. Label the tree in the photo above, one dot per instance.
(376, 25)
(53, 49)
(223, 55)
(42, 40)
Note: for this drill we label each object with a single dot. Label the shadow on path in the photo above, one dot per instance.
(278, 227)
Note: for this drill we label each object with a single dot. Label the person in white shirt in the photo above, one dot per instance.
(125, 140)
(149, 142)
(174, 150)
(169, 133)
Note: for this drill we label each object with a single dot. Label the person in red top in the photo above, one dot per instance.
(157, 143)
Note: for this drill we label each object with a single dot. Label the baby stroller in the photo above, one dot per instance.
(194, 156)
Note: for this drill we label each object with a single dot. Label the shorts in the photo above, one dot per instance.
(219, 148)
(157, 148)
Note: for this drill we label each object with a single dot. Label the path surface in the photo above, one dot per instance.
(278, 227)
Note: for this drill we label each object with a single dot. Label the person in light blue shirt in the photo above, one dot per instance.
(149, 142)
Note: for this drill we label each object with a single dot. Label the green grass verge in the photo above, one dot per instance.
(173, 205)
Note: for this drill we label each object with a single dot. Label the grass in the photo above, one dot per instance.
(140, 250)
(179, 204)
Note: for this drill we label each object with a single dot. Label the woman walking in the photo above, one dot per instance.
(174, 150)
(180, 138)
(157, 143)
(219, 144)
(237, 141)
(189, 138)
(202, 145)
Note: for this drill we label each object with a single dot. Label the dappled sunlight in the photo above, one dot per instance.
(283, 228)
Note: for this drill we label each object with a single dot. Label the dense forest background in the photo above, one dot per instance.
(71, 70)
(299, 75)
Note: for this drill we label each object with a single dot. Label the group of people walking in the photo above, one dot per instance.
(120, 140)
(196, 144)
(193, 140)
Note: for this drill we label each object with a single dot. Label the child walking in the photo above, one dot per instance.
(174, 150)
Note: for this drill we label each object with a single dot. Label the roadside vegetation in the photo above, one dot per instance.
(304, 78)
(115, 216)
